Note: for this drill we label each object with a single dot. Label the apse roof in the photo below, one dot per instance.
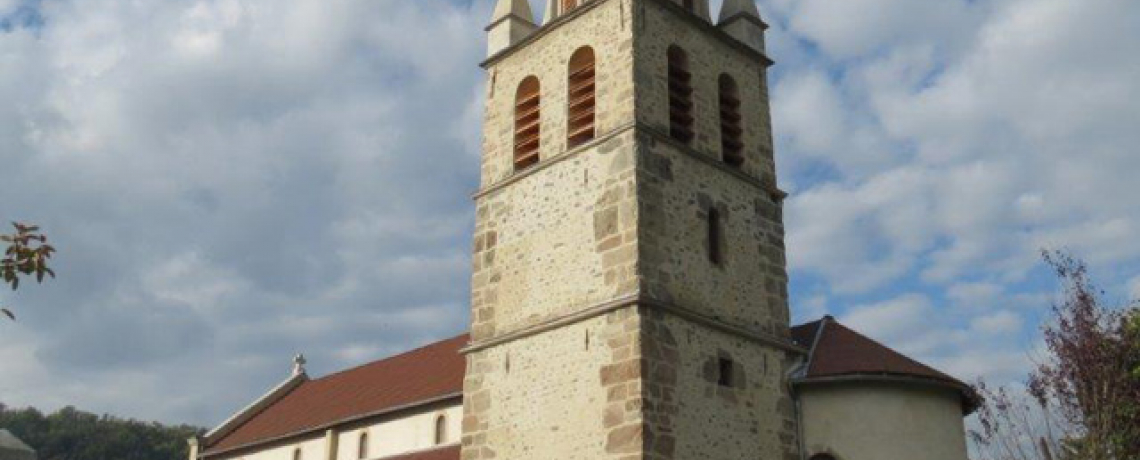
(837, 352)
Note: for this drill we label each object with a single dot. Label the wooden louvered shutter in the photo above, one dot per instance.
(528, 124)
(580, 98)
(680, 96)
(732, 146)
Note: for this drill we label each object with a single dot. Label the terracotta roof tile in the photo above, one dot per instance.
(419, 375)
(842, 352)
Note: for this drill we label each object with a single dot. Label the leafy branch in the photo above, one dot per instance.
(27, 255)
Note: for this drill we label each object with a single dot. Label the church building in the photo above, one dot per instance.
(629, 288)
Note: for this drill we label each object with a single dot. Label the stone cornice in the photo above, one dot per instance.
(545, 163)
(636, 300)
(747, 17)
(689, 151)
(509, 17)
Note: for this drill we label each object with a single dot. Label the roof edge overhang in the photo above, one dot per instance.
(248, 412)
(344, 421)
(970, 399)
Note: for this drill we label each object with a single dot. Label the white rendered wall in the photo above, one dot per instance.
(397, 436)
(882, 421)
(387, 437)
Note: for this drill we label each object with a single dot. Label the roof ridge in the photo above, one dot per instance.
(815, 341)
(388, 358)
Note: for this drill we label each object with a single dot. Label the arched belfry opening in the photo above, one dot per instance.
(528, 122)
(731, 132)
(680, 95)
(580, 98)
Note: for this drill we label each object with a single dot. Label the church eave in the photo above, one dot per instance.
(969, 397)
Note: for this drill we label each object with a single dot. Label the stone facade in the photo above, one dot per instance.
(600, 329)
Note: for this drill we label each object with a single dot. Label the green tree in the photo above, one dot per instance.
(26, 255)
(71, 434)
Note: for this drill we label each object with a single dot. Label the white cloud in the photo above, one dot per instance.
(855, 28)
(1001, 322)
(1134, 288)
(1016, 143)
(900, 318)
(973, 295)
(228, 181)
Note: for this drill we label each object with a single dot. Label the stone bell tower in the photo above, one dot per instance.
(629, 294)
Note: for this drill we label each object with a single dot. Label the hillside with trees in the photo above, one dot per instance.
(71, 434)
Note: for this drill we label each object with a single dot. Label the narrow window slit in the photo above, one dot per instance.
(725, 372)
(715, 236)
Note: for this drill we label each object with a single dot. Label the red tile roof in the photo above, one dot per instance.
(436, 371)
(443, 453)
(838, 351)
(420, 375)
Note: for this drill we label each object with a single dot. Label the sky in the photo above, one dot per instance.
(230, 182)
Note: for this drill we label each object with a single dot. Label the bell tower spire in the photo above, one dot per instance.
(741, 20)
(511, 21)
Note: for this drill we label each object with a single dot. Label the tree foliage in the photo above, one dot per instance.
(1083, 399)
(71, 434)
(27, 254)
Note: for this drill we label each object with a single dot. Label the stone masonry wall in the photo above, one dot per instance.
(561, 235)
(690, 415)
(551, 241)
(749, 286)
(679, 184)
(658, 27)
(570, 393)
(605, 27)
(550, 245)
